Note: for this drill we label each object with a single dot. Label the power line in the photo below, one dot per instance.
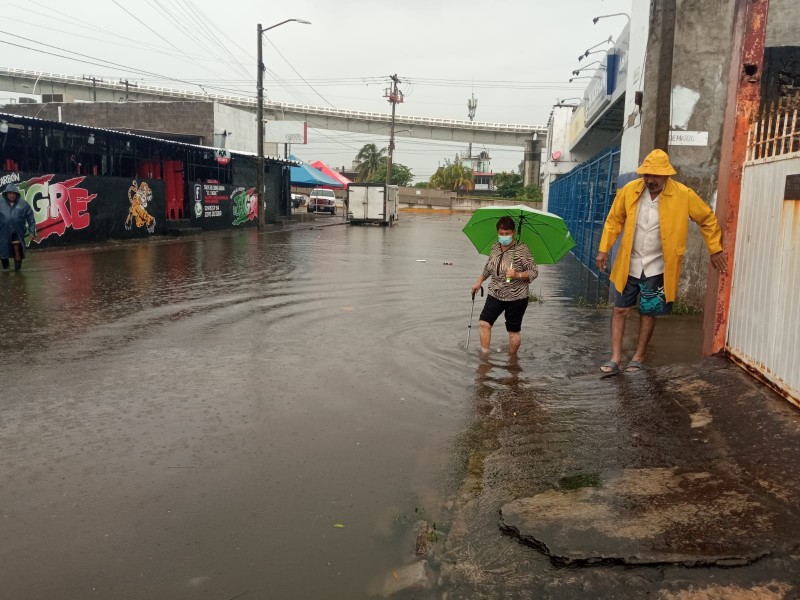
(103, 63)
(298, 74)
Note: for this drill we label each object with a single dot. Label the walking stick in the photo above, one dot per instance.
(469, 327)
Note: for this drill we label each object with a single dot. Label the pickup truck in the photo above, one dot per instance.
(322, 201)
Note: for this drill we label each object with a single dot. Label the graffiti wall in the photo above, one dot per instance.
(72, 209)
(219, 206)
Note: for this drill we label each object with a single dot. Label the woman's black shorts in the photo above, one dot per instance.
(514, 309)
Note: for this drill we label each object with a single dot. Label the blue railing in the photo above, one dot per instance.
(583, 198)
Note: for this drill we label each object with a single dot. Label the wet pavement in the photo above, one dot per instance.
(238, 415)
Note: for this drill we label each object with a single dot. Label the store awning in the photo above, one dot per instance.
(304, 175)
(321, 166)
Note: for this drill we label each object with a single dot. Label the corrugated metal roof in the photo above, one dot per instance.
(10, 116)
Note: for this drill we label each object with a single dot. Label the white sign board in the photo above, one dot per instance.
(286, 132)
(688, 138)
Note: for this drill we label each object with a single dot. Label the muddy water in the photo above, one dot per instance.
(250, 416)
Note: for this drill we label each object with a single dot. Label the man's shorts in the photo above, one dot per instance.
(514, 309)
(653, 302)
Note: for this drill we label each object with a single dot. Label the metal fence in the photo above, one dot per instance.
(583, 198)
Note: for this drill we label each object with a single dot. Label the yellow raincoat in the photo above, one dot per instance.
(676, 206)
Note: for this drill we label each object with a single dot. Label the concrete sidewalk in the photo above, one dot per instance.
(679, 482)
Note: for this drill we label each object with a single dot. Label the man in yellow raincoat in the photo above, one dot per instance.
(652, 213)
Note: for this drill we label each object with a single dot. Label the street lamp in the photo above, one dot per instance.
(584, 67)
(260, 117)
(592, 49)
(626, 15)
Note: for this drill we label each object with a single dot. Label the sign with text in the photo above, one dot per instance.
(688, 138)
(221, 206)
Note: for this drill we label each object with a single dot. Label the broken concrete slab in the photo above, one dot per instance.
(652, 516)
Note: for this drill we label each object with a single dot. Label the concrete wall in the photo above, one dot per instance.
(195, 119)
(428, 199)
(702, 55)
(629, 144)
(557, 142)
(240, 124)
(783, 23)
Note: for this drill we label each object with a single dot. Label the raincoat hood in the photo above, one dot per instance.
(12, 187)
(656, 163)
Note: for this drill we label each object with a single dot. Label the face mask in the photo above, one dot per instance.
(505, 240)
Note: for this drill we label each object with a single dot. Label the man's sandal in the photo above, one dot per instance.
(613, 368)
(634, 366)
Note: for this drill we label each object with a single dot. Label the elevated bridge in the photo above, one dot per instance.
(71, 88)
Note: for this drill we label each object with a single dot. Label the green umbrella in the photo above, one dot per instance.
(544, 233)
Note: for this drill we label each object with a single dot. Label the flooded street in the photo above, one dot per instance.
(235, 415)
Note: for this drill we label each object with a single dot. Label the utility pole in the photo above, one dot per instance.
(472, 106)
(94, 81)
(127, 86)
(260, 132)
(656, 121)
(394, 96)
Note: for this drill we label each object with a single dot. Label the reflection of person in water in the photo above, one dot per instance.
(15, 215)
(511, 268)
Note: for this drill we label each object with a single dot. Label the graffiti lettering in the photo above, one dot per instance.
(10, 178)
(245, 205)
(57, 206)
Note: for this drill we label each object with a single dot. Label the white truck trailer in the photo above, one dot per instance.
(372, 203)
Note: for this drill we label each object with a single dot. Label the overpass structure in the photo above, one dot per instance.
(70, 88)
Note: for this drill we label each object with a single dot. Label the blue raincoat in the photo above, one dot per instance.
(13, 218)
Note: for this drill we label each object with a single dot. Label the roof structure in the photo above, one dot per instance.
(321, 166)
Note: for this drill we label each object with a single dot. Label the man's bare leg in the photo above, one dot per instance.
(646, 327)
(617, 334)
(514, 341)
(486, 336)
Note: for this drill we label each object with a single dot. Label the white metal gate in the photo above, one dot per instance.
(764, 318)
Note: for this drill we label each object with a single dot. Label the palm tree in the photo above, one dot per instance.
(453, 176)
(369, 158)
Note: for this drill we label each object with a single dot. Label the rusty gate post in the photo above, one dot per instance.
(744, 96)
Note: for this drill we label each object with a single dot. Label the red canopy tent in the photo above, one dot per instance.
(321, 166)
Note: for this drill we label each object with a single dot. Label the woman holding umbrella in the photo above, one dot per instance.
(511, 268)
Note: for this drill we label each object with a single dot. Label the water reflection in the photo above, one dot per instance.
(209, 409)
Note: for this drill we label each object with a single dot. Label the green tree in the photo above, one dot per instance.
(369, 158)
(421, 184)
(453, 176)
(401, 174)
(508, 185)
(532, 193)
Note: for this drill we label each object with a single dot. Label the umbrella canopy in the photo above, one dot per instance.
(544, 233)
(321, 166)
(307, 176)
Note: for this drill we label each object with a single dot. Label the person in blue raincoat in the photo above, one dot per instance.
(15, 215)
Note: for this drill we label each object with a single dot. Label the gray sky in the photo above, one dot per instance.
(515, 56)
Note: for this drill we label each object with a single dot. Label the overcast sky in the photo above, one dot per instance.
(515, 56)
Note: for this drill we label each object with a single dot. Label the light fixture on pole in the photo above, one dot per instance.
(597, 62)
(626, 15)
(581, 77)
(592, 50)
(260, 117)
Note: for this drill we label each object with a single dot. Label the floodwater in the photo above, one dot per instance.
(238, 415)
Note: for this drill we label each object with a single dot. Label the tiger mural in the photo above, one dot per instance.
(139, 197)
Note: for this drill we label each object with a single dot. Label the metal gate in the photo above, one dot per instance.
(764, 319)
(583, 198)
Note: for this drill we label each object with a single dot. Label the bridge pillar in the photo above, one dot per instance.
(532, 162)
